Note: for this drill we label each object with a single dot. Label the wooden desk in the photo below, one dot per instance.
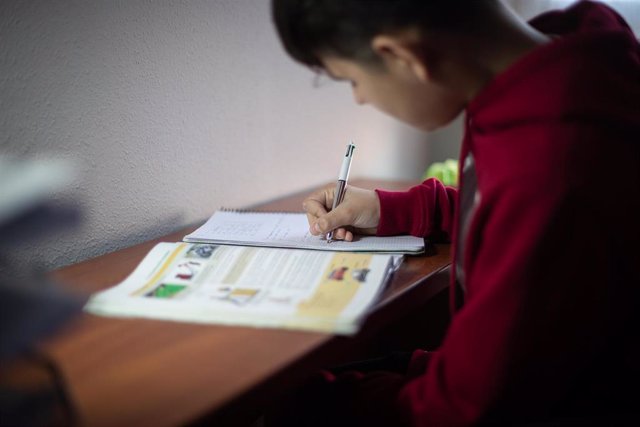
(125, 372)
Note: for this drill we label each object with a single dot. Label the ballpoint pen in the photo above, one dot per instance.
(341, 186)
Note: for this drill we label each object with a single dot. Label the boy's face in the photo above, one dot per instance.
(399, 92)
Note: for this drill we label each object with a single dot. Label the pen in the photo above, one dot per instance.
(341, 186)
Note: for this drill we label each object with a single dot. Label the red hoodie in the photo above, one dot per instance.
(551, 311)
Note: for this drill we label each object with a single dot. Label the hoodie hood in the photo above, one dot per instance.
(591, 68)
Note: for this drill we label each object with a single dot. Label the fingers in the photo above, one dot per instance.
(326, 224)
(317, 205)
(312, 219)
(333, 220)
(343, 234)
(359, 213)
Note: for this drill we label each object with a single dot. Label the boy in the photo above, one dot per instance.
(545, 286)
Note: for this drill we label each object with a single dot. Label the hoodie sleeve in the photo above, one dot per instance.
(426, 210)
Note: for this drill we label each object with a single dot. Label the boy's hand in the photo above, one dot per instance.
(358, 213)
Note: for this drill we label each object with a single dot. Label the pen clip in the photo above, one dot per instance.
(350, 149)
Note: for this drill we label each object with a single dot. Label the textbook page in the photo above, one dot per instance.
(290, 230)
(250, 286)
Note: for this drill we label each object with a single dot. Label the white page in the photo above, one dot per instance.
(290, 230)
(249, 286)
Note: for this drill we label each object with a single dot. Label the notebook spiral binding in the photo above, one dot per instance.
(249, 210)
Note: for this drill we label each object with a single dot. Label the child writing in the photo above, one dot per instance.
(546, 284)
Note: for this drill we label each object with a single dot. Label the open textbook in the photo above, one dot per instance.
(290, 230)
(250, 286)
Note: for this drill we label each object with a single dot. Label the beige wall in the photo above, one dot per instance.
(172, 109)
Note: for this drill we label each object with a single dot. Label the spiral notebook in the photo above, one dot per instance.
(290, 230)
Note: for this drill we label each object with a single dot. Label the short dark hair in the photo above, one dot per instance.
(344, 28)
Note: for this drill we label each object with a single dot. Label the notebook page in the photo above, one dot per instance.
(289, 230)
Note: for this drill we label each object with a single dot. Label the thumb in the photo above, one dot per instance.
(330, 221)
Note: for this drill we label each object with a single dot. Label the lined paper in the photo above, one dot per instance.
(290, 230)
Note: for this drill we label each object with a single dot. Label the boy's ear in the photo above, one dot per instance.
(401, 51)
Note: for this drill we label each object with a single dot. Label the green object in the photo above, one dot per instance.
(166, 291)
(446, 172)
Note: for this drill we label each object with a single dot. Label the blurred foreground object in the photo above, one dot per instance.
(31, 306)
(27, 184)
